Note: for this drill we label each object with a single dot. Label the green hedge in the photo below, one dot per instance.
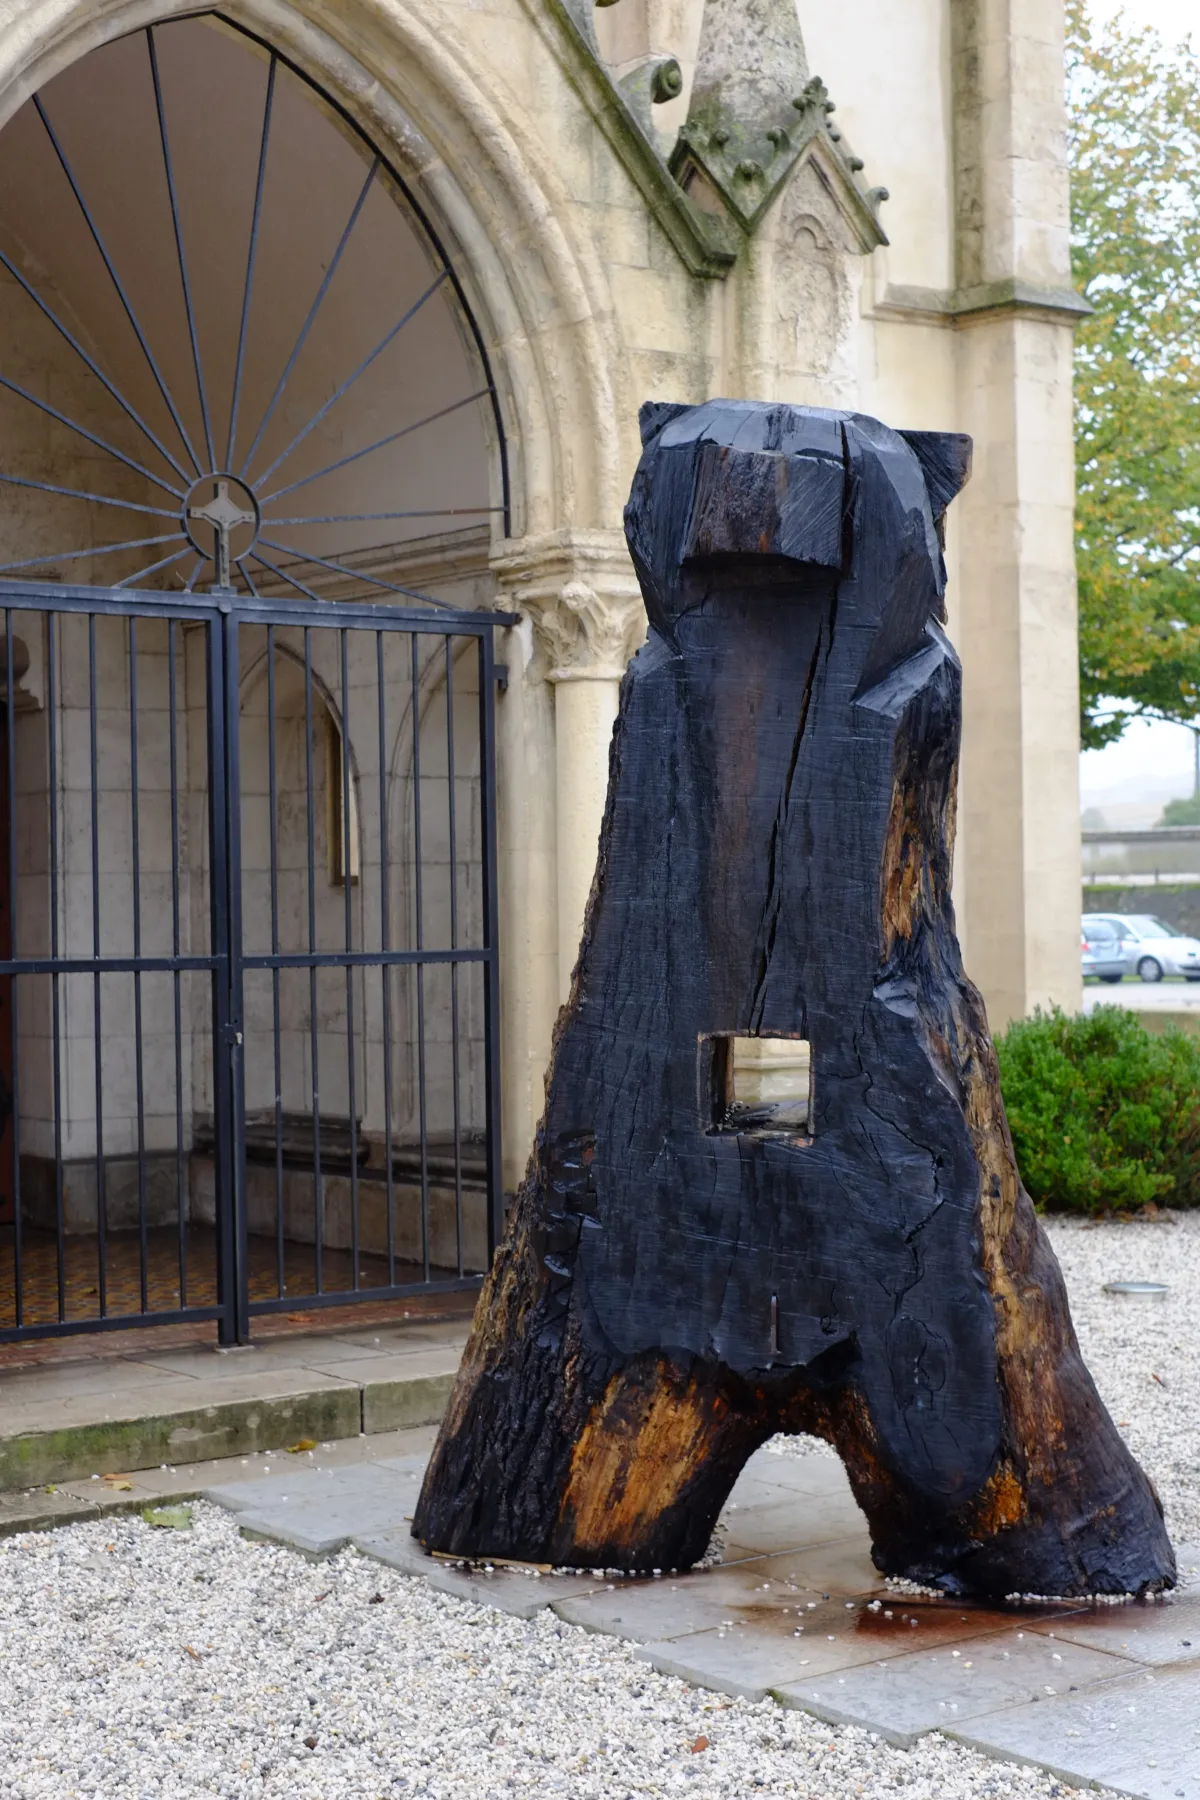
(1105, 1116)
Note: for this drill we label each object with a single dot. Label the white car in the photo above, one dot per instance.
(1149, 947)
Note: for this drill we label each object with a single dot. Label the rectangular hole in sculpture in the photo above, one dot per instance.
(760, 1085)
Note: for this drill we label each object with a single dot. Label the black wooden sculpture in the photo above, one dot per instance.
(684, 1276)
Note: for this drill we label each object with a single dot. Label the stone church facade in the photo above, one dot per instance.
(852, 207)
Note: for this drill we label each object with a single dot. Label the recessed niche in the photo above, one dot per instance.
(759, 1085)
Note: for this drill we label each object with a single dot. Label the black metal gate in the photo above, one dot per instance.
(248, 957)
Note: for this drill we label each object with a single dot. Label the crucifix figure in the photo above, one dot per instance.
(223, 514)
(689, 1267)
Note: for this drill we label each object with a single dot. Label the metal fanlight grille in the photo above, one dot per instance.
(277, 384)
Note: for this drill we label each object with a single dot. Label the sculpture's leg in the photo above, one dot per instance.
(550, 1456)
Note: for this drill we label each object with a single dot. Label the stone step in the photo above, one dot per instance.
(72, 1421)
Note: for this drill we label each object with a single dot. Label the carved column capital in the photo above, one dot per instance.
(582, 595)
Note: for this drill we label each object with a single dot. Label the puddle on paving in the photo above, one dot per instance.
(898, 1624)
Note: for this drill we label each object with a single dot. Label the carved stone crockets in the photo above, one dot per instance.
(683, 1276)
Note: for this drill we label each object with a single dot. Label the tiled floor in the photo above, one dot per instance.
(1108, 1695)
(128, 1292)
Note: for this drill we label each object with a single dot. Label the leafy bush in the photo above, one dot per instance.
(1105, 1115)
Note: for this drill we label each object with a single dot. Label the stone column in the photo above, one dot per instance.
(1019, 880)
(580, 591)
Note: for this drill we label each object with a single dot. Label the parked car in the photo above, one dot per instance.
(1149, 947)
(1101, 951)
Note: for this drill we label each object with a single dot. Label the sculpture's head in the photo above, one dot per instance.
(778, 484)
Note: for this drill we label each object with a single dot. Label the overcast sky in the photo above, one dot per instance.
(1155, 759)
(1173, 19)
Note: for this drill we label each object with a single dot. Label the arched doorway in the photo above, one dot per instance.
(251, 458)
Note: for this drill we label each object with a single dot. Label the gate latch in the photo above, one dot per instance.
(233, 1037)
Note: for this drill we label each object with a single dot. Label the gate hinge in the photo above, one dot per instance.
(500, 671)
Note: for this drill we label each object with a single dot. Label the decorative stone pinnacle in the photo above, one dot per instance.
(742, 137)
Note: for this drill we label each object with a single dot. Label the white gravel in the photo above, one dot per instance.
(140, 1664)
(1144, 1355)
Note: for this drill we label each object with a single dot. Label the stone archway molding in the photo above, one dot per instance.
(421, 92)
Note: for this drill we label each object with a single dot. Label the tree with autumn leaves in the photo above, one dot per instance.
(1134, 122)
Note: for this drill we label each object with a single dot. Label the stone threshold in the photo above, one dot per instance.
(67, 1423)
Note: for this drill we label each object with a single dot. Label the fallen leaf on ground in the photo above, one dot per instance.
(171, 1518)
(300, 1445)
(119, 1484)
(701, 1743)
(194, 1654)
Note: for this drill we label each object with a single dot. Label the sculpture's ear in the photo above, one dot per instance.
(945, 457)
(654, 414)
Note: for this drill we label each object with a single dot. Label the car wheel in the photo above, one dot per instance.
(1150, 969)
(1113, 979)
(1192, 978)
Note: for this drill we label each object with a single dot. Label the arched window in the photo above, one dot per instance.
(233, 347)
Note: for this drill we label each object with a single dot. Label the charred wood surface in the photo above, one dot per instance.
(681, 1280)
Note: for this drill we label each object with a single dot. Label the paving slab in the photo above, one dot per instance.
(797, 1522)
(728, 1662)
(319, 1511)
(841, 1568)
(523, 1593)
(1139, 1735)
(771, 1625)
(903, 1697)
(1154, 1632)
(396, 1337)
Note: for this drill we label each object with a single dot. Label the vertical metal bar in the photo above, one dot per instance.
(491, 940)
(181, 1194)
(272, 801)
(236, 1021)
(251, 254)
(101, 1206)
(349, 916)
(420, 945)
(385, 940)
(139, 1083)
(318, 1190)
(458, 1203)
(230, 1321)
(55, 996)
(11, 852)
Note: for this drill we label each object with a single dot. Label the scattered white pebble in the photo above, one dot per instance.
(149, 1665)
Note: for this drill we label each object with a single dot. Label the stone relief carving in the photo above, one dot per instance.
(810, 284)
(583, 598)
